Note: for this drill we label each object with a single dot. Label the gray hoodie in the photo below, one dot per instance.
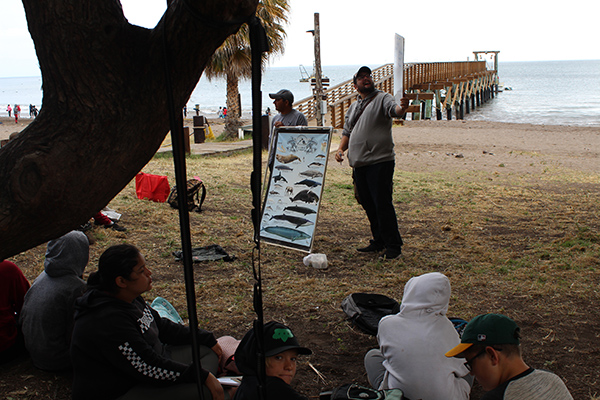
(47, 316)
(414, 342)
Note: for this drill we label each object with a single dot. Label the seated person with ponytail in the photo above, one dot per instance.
(122, 349)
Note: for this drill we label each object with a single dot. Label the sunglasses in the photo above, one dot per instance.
(469, 363)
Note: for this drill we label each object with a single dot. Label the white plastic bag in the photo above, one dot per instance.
(316, 260)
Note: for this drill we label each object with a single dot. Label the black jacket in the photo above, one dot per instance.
(117, 345)
(246, 361)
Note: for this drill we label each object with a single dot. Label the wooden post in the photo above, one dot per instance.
(318, 74)
(186, 139)
(438, 105)
(427, 109)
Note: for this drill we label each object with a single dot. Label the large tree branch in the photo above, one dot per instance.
(104, 110)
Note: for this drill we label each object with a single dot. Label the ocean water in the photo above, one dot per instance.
(543, 92)
(549, 93)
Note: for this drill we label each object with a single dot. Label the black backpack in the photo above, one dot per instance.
(365, 310)
(194, 199)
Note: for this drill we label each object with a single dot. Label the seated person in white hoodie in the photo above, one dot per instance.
(413, 344)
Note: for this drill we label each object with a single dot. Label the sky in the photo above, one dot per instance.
(362, 32)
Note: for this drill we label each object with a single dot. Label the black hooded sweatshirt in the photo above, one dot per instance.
(117, 345)
(246, 361)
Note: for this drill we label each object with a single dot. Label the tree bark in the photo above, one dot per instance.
(232, 121)
(104, 112)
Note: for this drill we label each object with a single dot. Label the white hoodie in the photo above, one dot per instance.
(414, 341)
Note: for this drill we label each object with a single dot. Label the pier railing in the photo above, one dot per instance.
(439, 85)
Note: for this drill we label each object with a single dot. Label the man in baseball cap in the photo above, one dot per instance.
(364, 70)
(490, 344)
(288, 116)
(367, 136)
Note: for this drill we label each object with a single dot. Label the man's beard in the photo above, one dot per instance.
(367, 90)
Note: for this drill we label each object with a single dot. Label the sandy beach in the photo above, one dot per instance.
(423, 145)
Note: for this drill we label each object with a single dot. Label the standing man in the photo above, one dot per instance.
(490, 346)
(288, 116)
(367, 136)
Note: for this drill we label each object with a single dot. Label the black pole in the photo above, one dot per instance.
(259, 44)
(178, 147)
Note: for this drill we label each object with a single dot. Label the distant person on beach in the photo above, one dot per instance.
(30, 110)
(13, 286)
(9, 110)
(184, 111)
(412, 344)
(281, 354)
(122, 348)
(17, 111)
(490, 345)
(288, 116)
(367, 136)
(47, 315)
(35, 112)
(224, 112)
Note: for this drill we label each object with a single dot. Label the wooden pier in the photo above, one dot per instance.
(453, 87)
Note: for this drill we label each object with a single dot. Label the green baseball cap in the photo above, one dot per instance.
(488, 330)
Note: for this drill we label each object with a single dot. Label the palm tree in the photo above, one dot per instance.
(233, 59)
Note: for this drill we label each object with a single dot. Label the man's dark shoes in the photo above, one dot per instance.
(390, 254)
(371, 248)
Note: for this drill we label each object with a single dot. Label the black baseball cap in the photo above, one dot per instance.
(279, 338)
(283, 94)
(360, 70)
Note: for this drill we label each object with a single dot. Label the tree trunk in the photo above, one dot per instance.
(104, 112)
(232, 122)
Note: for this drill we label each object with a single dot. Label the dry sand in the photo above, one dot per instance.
(490, 145)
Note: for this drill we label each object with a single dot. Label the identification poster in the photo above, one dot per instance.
(295, 186)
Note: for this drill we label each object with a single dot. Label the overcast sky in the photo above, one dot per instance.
(362, 32)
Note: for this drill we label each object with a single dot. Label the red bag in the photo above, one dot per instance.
(152, 187)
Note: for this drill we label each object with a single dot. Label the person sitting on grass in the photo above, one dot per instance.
(122, 348)
(281, 353)
(13, 286)
(490, 345)
(47, 316)
(412, 344)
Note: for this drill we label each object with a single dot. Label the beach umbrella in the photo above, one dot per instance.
(259, 44)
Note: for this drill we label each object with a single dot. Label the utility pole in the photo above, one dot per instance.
(318, 90)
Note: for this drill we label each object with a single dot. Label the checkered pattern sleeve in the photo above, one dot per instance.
(134, 353)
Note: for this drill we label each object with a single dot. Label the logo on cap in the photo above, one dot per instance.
(481, 337)
(283, 334)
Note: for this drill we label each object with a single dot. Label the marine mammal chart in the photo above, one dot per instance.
(295, 188)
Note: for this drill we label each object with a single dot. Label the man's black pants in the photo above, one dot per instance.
(374, 186)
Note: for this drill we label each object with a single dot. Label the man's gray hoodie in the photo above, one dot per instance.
(47, 316)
